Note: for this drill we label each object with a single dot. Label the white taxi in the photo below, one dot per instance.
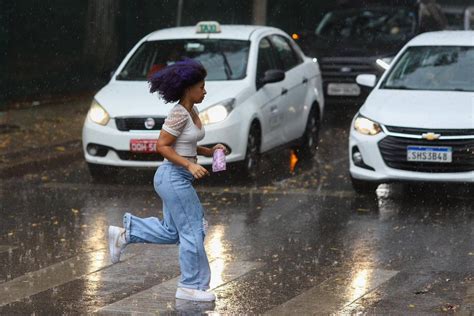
(418, 122)
(262, 92)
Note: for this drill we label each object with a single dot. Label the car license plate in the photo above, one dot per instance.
(346, 89)
(143, 145)
(429, 154)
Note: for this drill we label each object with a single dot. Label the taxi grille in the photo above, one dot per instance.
(127, 155)
(125, 124)
(394, 153)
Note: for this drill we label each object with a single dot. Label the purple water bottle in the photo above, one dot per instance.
(218, 161)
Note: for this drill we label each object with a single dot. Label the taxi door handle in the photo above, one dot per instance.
(284, 91)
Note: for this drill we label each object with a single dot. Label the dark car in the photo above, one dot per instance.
(362, 39)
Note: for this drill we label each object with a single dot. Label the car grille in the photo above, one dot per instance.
(127, 155)
(420, 131)
(345, 69)
(394, 153)
(137, 123)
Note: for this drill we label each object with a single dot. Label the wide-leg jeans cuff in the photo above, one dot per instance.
(193, 287)
(127, 222)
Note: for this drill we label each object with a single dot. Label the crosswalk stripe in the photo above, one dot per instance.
(337, 294)
(161, 298)
(51, 276)
(6, 248)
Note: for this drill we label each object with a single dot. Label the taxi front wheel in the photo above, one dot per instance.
(101, 172)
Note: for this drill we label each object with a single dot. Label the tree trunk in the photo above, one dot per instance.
(259, 14)
(100, 45)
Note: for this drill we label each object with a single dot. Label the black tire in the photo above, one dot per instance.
(364, 187)
(251, 164)
(101, 173)
(309, 147)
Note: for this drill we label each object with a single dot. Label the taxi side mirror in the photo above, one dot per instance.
(366, 80)
(272, 76)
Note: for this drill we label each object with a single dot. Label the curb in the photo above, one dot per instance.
(43, 158)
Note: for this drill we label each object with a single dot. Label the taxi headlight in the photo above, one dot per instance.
(367, 127)
(98, 114)
(217, 112)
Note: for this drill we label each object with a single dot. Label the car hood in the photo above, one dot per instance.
(132, 98)
(421, 109)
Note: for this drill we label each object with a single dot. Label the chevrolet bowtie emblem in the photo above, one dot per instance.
(430, 136)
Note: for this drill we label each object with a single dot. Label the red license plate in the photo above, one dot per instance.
(143, 145)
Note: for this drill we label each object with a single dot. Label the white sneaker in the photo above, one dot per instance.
(116, 242)
(194, 295)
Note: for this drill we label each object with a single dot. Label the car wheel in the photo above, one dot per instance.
(251, 164)
(364, 187)
(311, 135)
(101, 173)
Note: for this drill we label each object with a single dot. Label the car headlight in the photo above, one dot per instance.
(98, 114)
(385, 62)
(217, 112)
(367, 127)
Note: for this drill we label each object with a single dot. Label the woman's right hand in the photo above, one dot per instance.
(197, 170)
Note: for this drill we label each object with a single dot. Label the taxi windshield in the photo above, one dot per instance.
(381, 24)
(223, 59)
(433, 68)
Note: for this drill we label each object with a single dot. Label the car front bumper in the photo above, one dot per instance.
(118, 144)
(372, 157)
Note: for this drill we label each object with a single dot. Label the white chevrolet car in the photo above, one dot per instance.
(418, 122)
(262, 92)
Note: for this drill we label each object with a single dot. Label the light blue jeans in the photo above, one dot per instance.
(183, 223)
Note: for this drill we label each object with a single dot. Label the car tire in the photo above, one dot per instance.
(308, 149)
(362, 187)
(101, 173)
(251, 164)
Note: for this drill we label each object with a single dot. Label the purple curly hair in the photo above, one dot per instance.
(172, 81)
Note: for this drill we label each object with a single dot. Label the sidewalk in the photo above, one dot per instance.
(41, 136)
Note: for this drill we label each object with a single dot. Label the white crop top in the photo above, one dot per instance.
(179, 123)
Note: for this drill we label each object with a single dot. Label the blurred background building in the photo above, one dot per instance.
(55, 46)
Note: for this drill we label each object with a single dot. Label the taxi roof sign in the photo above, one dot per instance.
(208, 27)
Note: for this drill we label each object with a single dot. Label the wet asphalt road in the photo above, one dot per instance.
(294, 243)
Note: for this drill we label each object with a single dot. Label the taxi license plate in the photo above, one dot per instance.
(143, 145)
(346, 89)
(429, 154)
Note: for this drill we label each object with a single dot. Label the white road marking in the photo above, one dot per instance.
(336, 294)
(51, 276)
(161, 298)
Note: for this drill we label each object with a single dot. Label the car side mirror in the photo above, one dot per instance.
(272, 76)
(366, 80)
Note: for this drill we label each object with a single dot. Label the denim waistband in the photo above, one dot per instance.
(178, 169)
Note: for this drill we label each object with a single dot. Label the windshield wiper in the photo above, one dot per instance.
(228, 70)
(399, 87)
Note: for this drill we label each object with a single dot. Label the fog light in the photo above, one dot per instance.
(92, 150)
(358, 160)
(357, 157)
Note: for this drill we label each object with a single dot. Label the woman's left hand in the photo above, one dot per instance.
(220, 146)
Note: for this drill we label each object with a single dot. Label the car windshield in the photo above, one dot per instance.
(384, 24)
(433, 68)
(223, 59)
